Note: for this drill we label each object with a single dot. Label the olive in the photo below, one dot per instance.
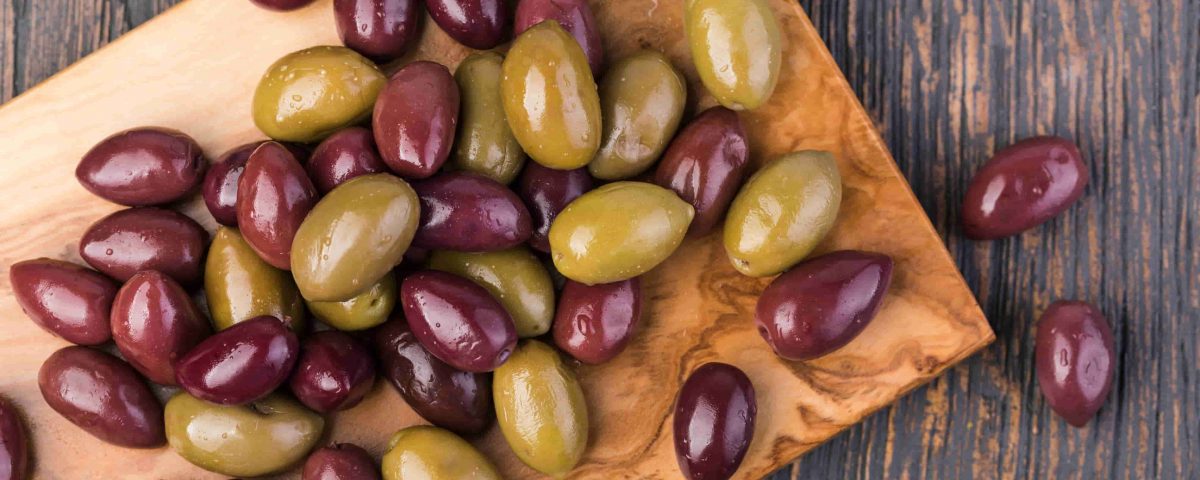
(274, 195)
(415, 119)
(334, 372)
(380, 29)
(311, 93)
(467, 212)
(714, 422)
(547, 192)
(550, 98)
(641, 103)
(595, 322)
(479, 24)
(239, 364)
(1023, 186)
(340, 461)
(145, 238)
(574, 16)
(737, 49)
(515, 277)
(617, 232)
(347, 154)
(65, 299)
(430, 453)
(103, 396)
(363, 311)
(220, 185)
(239, 285)
(353, 237)
(1075, 360)
(457, 320)
(282, 5)
(541, 409)
(265, 437)
(822, 303)
(705, 165)
(154, 322)
(783, 212)
(14, 446)
(143, 166)
(486, 145)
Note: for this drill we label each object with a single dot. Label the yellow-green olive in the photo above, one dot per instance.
(365, 310)
(430, 453)
(642, 99)
(515, 277)
(239, 285)
(309, 94)
(737, 49)
(485, 143)
(541, 409)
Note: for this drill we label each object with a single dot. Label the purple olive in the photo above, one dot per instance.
(274, 195)
(14, 446)
(282, 5)
(415, 119)
(471, 213)
(1023, 186)
(334, 372)
(220, 185)
(457, 320)
(479, 24)
(340, 461)
(822, 303)
(65, 299)
(593, 323)
(240, 364)
(575, 16)
(154, 322)
(705, 165)
(379, 29)
(143, 166)
(146, 238)
(344, 155)
(1075, 360)
(547, 192)
(104, 396)
(714, 422)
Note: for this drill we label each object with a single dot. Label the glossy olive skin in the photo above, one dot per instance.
(103, 396)
(379, 29)
(262, 438)
(220, 185)
(574, 16)
(373, 219)
(595, 322)
(14, 446)
(550, 98)
(340, 461)
(240, 364)
(65, 299)
(430, 453)
(143, 166)
(274, 195)
(311, 93)
(154, 322)
(515, 277)
(239, 285)
(479, 24)
(782, 213)
(641, 103)
(1023, 186)
(334, 372)
(705, 165)
(737, 49)
(617, 232)
(547, 192)
(282, 5)
(822, 303)
(145, 238)
(415, 119)
(714, 422)
(471, 213)
(457, 320)
(541, 409)
(486, 145)
(362, 311)
(347, 154)
(1075, 359)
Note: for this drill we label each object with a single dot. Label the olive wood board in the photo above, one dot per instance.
(194, 68)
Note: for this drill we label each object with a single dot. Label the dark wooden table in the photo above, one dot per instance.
(948, 82)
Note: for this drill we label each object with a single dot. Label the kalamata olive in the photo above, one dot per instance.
(415, 118)
(334, 372)
(546, 192)
(821, 304)
(340, 461)
(146, 238)
(479, 24)
(445, 396)
(344, 155)
(239, 364)
(274, 195)
(705, 164)
(471, 213)
(14, 447)
(380, 29)
(1023, 186)
(595, 322)
(143, 166)
(714, 422)
(1075, 360)
(220, 185)
(457, 320)
(65, 299)
(154, 322)
(282, 5)
(102, 395)
(575, 16)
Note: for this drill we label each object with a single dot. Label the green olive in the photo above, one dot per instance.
(737, 49)
(618, 231)
(309, 94)
(541, 409)
(264, 437)
(642, 99)
(515, 277)
(365, 310)
(782, 212)
(550, 97)
(430, 453)
(353, 237)
(239, 285)
(485, 143)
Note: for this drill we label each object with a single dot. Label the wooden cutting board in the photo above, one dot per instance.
(194, 68)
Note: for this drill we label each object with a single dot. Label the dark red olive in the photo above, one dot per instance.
(445, 396)
(714, 422)
(471, 213)
(220, 184)
(415, 119)
(340, 461)
(575, 16)
(14, 446)
(1023, 186)
(335, 372)
(379, 29)
(104, 396)
(282, 5)
(1075, 360)
(240, 364)
(593, 323)
(457, 320)
(146, 238)
(274, 195)
(143, 166)
(154, 322)
(546, 192)
(479, 24)
(65, 299)
(344, 155)
(705, 165)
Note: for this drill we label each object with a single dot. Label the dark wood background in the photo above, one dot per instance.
(948, 82)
